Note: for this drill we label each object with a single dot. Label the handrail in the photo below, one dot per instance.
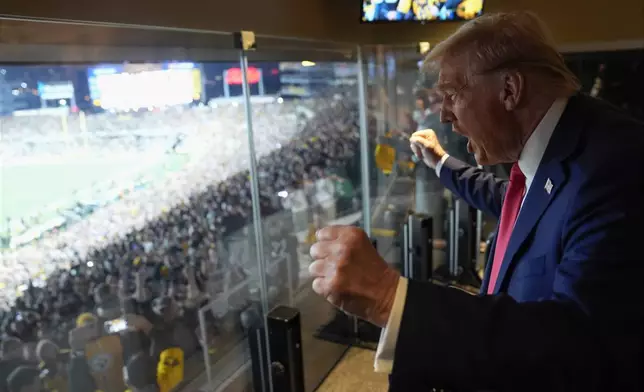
(142, 27)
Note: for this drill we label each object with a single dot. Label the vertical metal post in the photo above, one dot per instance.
(264, 368)
(384, 105)
(405, 251)
(380, 89)
(364, 155)
(254, 189)
(204, 347)
(380, 108)
(260, 84)
(202, 79)
(226, 87)
(392, 80)
(479, 233)
(479, 238)
(364, 146)
(410, 247)
(286, 349)
(289, 279)
(452, 237)
(457, 238)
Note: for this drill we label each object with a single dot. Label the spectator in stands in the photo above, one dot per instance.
(25, 379)
(140, 373)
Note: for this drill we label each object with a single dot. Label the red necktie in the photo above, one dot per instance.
(509, 213)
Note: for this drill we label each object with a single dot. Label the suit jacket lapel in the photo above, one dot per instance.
(533, 208)
(551, 174)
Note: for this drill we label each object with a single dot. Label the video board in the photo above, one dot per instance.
(134, 86)
(420, 10)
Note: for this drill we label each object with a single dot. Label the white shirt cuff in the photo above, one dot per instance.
(386, 350)
(439, 165)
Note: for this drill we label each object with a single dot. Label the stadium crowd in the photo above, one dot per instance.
(104, 134)
(122, 288)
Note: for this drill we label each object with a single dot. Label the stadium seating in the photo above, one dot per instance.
(156, 253)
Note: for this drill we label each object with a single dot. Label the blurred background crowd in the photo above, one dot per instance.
(137, 267)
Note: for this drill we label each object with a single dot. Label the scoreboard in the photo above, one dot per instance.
(135, 86)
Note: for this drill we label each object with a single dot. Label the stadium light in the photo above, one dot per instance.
(308, 63)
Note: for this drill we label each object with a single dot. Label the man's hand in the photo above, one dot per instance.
(426, 147)
(351, 275)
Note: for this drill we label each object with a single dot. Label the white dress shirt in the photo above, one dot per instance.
(529, 161)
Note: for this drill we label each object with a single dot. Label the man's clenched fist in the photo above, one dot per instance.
(426, 147)
(350, 274)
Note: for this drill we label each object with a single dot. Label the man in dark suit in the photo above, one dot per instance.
(561, 304)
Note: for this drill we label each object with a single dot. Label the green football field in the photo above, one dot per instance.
(32, 188)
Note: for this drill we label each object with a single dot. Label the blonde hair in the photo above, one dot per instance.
(507, 40)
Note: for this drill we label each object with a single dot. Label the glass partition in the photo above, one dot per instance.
(390, 79)
(306, 140)
(125, 208)
(402, 100)
(160, 191)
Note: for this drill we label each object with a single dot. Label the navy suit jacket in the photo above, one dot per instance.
(568, 312)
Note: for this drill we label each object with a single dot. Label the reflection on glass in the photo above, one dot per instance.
(401, 105)
(395, 112)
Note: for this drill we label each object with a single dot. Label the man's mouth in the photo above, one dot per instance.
(456, 129)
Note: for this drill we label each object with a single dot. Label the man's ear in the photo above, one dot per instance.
(513, 84)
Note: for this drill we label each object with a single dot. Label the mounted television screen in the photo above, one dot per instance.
(420, 10)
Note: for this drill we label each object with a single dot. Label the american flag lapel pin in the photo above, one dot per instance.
(548, 186)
